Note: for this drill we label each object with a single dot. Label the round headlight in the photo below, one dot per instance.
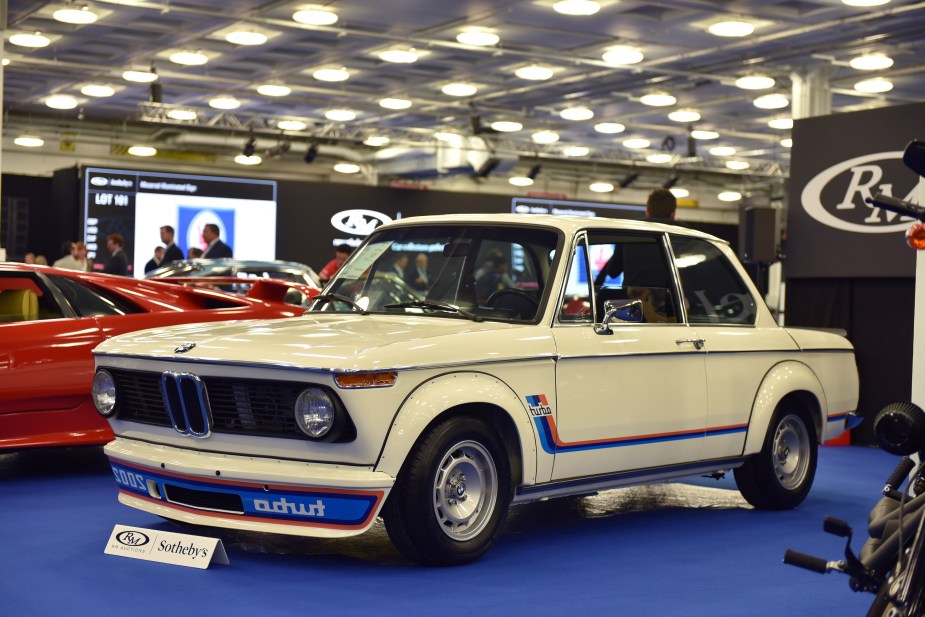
(104, 393)
(314, 412)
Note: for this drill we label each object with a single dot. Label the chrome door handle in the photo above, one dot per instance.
(697, 342)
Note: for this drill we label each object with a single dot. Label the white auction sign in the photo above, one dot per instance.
(165, 547)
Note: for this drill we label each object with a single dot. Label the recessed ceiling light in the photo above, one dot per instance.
(609, 128)
(139, 77)
(545, 137)
(224, 102)
(459, 89)
(865, 2)
(315, 17)
(659, 158)
(601, 187)
(26, 39)
(399, 56)
(506, 126)
(731, 28)
(478, 37)
(738, 165)
(684, 115)
(701, 134)
(576, 113)
(871, 62)
(189, 58)
(346, 168)
(658, 99)
(394, 103)
(534, 72)
(576, 7)
(377, 141)
(71, 15)
(253, 159)
(771, 101)
(61, 101)
(182, 114)
(331, 74)
(520, 181)
(246, 37)
(6, 62)
(622, 55)
(142, 151)
(340, 115)
(98, 90)
(636, 143)
(679, 192)
(781, 123)
(729, 196)
(576, 151)
(291, 125)
(876, 85)
(787, 143)
(274, 90)
(722, 151)
(29, 141)
(755, 82)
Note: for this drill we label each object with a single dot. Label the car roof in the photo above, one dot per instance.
(569, 224)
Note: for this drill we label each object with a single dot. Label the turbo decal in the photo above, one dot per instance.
(318, 507)
(552, 444)
(538, 404)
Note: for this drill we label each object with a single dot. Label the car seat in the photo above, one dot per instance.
(19, 305)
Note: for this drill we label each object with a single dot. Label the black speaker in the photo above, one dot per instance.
(759, 234)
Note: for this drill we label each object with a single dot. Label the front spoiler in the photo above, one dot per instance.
(238, 492)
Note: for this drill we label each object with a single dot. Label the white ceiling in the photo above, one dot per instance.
(791, 37)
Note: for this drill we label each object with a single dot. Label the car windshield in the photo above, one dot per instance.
(478, 272)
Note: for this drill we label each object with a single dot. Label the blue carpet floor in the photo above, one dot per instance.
(692, 549)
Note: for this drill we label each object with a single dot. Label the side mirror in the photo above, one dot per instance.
(914, 156)
(621, 311)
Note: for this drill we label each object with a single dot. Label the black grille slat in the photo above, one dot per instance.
(236, 406)
(205, 500)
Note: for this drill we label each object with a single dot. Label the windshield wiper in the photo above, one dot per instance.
(325, 298)
(437, 306)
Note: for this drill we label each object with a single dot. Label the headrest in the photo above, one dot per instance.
(19, 305)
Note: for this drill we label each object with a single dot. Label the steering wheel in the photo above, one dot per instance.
(518, 296)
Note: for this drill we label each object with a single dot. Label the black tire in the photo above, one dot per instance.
(451, 495)
(780, 476)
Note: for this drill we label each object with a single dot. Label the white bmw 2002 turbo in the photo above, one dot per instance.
(543, 356)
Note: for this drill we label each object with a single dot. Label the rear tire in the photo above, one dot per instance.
(780, 475)
(451, 495)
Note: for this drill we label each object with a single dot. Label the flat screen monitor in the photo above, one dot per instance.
(136, 204)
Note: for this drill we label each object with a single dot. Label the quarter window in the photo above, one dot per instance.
(714, 293)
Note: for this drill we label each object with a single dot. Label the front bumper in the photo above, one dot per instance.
(250, 493)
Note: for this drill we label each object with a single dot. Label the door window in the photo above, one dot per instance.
(714, 293)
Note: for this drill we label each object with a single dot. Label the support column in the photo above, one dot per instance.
(812, 95)
(3, 24)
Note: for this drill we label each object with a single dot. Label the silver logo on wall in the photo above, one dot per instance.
(836, 196)
(358, 222)
(184, 347)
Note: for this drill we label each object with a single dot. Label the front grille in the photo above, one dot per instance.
(204, 500)
(241, 406)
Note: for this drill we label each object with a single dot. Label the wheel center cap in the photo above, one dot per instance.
(460, 489)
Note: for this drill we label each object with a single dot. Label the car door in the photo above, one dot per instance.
(634, 397)
(723, 309)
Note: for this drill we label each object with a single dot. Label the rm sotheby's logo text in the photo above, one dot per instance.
(837, 196)
(358, 222)
(165, 547)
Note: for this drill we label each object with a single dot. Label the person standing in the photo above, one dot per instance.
(155, 262)
(341, 253)
(419, 278)
(118, 261)
(661, 207)
(172, 252)
(216, 249)
(71, 260)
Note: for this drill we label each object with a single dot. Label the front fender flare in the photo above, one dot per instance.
(782, 380)
(444, 392)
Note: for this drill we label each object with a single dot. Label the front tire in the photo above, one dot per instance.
(780, 475)
(451, 495)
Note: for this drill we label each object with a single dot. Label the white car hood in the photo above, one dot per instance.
(344, 341)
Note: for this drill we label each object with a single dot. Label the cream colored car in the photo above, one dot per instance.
(538, 357)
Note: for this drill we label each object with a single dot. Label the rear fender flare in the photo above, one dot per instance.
(783, 380)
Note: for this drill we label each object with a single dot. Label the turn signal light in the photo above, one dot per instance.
(915, 236)
(383, 379)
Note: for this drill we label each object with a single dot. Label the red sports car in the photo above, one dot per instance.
(50, 320)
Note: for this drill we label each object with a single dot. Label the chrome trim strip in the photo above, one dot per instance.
(178, 380)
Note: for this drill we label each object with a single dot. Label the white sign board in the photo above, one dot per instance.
(174, 548)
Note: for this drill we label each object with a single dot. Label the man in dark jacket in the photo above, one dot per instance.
(118, 261)
(172, 252)
(216, 249)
